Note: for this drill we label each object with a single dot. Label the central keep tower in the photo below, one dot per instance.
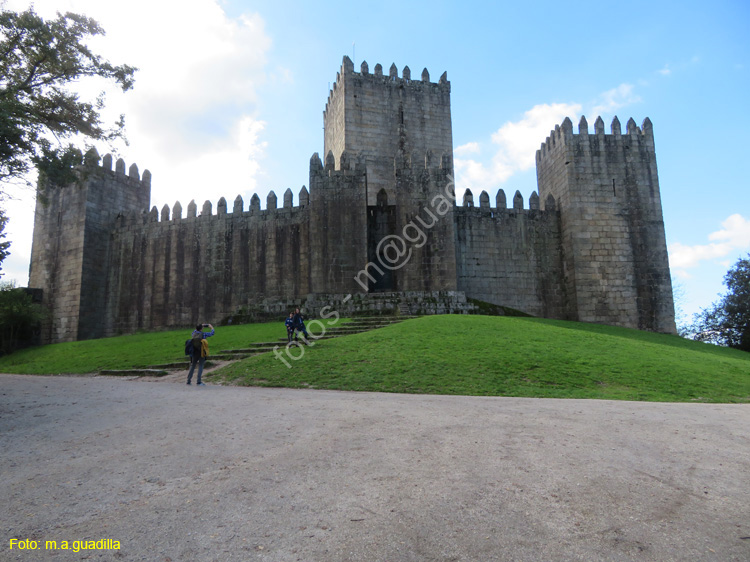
(375, 118)
(398, 131)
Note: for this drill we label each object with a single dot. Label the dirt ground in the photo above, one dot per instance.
(178, 473)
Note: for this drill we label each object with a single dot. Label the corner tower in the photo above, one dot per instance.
(70, 253)
(606, 187)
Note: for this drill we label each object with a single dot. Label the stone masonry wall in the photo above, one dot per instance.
(56, 258)
(70, 251)
(615, 264)
(338, 224)
(424, 207)
(511, 257)
(379, 117)
(205, 268)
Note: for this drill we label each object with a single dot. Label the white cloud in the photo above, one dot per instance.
(666, 71)
(686, 257)
(226, 170)
(519, 141)
(736, 232)
(474, 175)
(19, 231)
(735, 235)
(516, 142)
(192, 117)
(516, 145)
(468, 148)
(195, 90)
(612, 100)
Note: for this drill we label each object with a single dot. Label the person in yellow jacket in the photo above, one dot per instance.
(200, 351)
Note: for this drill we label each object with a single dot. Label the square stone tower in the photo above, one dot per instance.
(399, 130)
(375, 118)
(606, 188)
(70, 253)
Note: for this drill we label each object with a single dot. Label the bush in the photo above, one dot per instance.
(20, 318)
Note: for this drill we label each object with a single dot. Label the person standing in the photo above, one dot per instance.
(200, 351)
(289, 323)
(299, 325)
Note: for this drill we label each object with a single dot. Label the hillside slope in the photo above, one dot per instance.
(502, 356)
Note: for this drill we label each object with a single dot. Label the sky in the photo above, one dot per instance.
(229, 98)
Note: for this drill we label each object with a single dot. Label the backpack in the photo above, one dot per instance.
(197, 345)
(189, 347)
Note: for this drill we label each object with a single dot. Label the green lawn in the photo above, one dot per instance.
(471, 355)
(133, 351)
(502, 356)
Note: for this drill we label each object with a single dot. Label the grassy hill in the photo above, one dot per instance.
(502, 356)
(472, 355)
(126, 352)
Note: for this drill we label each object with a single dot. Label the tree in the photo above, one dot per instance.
(39, 60)
(679, 296)
(4, 246)
(20, 318)
(727, 322)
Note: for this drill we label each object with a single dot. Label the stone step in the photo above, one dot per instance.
(172, 366)
(256, 350)
(135, 372)
(329, 335)
(358, 326)
(229, 355)
(369, 326)
(379, 319)
(347, 331)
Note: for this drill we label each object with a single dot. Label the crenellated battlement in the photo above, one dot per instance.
(607, 189)
(501, 203)
(379, 116)
(377, 77)
(92, 161)
(165, 215)
(562, 135)
(348, 165)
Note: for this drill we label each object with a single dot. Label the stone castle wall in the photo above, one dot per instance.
(380, 220)
(178, 271)
(337, 224)
(424, 221)
(163, 269)
(511, 256)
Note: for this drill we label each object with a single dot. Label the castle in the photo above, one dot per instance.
(378, 227)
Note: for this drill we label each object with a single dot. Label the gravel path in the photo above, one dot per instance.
(178, 473)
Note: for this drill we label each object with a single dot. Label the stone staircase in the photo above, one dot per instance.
(355, 326)
(351, 327)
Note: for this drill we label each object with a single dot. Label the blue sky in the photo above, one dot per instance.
(230, 95)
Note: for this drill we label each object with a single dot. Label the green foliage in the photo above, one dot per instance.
(5, 245)
(727, 322)
(19, 317)
(39, 60)
(504, 356)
